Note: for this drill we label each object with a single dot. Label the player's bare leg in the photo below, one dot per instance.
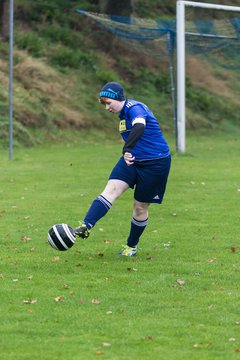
(114, 189)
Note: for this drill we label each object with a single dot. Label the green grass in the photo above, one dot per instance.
(145, 312)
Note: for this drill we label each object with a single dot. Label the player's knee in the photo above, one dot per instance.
(113, 190)
(140, 209)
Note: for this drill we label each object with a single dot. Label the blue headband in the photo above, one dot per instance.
(112, 90)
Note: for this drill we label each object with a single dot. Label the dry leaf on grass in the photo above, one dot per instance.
(96, 301)
(181, 282)
(150, 258)
(107, 241)
(131, 269)
(25, 238)
(106, 344)
(149, 338)
(30, 301)
(55, 259)
(58, 299)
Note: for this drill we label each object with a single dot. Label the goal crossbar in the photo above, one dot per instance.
(210, 6)
(181, 71)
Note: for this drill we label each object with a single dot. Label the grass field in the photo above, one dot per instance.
(178, 299)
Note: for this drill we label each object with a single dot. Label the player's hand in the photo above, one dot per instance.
(129, 159)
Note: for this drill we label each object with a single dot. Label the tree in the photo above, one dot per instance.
(113, 7)
(4, 18)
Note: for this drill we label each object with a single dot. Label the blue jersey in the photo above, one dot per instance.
(151, 144)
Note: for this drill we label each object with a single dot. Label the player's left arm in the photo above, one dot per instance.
(135, 134)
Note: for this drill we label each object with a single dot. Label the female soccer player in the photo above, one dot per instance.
(144, 165)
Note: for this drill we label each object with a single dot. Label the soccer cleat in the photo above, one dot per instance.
(82, 232)
(128, 251)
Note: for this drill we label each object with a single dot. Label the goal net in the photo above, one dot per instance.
(206, 30)
(216, 37)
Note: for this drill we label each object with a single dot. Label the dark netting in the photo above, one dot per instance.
(146, 35)
(216, 40)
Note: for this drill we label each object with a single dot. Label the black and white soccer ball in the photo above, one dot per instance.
(61, 237)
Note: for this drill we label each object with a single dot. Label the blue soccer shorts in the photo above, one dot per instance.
(148, 178)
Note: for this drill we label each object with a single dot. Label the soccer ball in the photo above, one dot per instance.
(61, 237)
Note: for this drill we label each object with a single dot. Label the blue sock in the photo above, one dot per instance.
(137, 228)
(97, 210)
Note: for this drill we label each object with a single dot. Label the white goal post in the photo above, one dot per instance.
(181, 71)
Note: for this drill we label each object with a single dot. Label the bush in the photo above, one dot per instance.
(64, 57)
(21, 134)
(42, 11)
(63, 35)
(31, 42)
(207, 105)
(105, 76)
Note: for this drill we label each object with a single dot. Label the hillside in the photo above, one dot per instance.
(61, 60)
